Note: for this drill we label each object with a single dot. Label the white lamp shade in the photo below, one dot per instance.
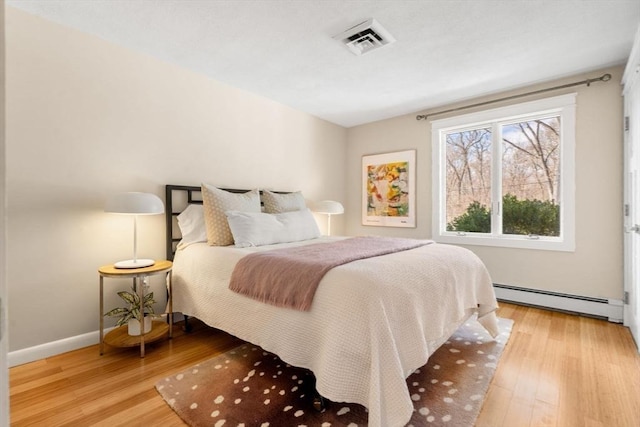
(328, 207)
(135, 203)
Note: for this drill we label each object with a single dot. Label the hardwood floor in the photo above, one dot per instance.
(557, 370)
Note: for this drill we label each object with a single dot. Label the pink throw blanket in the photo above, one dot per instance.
(289, 277)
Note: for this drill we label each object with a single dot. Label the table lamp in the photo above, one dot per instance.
(328, 207)
(135, 204)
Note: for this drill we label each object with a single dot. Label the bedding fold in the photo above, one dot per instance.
(290, 277)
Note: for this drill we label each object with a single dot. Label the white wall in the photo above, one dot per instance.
(87, 119)
(595, 268)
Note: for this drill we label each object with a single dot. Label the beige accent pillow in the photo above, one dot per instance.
(216, 202)
(279, 203)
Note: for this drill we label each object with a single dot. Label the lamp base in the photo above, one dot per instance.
(134, 263)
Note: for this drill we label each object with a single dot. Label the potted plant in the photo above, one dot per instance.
(130, 315)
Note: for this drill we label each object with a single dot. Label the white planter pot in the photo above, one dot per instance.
(133, 327)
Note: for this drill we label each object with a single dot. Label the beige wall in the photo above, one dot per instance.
(87, 119)
(595, 268)
(4, 347)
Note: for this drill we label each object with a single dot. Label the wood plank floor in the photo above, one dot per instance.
(557, 370)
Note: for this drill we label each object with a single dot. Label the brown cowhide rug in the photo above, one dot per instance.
(248, 386)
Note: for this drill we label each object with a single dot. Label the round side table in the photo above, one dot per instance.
(119, 337)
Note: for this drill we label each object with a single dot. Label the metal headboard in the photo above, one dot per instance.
(177, 198)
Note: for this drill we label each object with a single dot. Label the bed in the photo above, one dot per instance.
(372, 321)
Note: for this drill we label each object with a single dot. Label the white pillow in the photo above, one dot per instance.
(191, 224)
(278, 203)
(216, 202)
(257, 229)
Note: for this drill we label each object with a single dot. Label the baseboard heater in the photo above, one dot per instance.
(609, 309)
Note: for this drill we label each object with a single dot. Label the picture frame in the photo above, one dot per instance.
(389, 189)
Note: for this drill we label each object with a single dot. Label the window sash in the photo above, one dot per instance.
(460, 142)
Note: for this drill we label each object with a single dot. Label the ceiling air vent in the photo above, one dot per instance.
(365, 37)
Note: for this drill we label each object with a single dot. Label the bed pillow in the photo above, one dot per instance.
(191, 224)
(278, 203)
(216, 202)
(257, 229)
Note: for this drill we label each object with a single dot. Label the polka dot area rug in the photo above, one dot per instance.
(248, 386)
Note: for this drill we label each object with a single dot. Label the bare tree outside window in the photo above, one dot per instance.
(468, 172)
(530, 171)
(531, 159)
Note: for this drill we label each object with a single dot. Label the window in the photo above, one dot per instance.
(505, 177)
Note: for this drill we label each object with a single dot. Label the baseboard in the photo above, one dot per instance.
(42, 351)
(610, 309)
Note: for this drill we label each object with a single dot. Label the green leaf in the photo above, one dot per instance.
(124, 319)
(117, 312)
(128, 297)
(133, 309)
(148, 298)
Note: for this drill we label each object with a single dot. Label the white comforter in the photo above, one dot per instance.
(372, 322)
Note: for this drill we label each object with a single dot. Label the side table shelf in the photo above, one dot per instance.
(119, 337)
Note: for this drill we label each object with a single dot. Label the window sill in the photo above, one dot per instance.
(516, 242)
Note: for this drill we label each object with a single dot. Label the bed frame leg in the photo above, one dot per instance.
(319, 402)
(187, 326)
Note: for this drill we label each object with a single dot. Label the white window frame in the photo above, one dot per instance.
(565, 107)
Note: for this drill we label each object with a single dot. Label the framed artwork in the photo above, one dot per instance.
(389, 189)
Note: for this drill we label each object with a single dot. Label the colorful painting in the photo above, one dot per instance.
(389, 189)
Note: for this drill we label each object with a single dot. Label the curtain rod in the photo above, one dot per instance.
(603, 78)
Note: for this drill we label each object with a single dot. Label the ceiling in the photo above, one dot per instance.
(445, 51)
